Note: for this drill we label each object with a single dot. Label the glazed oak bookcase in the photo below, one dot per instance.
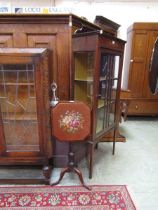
(24, 107)
(97, 65)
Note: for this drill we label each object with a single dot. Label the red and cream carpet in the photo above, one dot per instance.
(101, 197)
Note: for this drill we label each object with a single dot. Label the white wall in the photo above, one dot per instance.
(25, 3)
(123, 13)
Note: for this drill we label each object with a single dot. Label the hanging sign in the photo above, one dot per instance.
(43, 10)
(5, 8)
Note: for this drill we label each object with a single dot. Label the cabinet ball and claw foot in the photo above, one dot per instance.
(47, 172)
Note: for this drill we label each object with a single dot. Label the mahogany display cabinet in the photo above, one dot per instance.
(97, 64)
(25, 137)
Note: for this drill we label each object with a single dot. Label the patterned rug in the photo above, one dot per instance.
(104, 197)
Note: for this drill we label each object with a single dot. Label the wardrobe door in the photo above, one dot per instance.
(137, 63)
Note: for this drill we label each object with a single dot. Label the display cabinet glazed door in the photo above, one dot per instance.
(23, 104)
(108, 79)
(106, 101)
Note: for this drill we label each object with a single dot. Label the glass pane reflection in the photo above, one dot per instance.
(18, 107)
(109, 68)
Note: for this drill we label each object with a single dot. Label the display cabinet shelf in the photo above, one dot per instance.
(16, 83)
(84, 79)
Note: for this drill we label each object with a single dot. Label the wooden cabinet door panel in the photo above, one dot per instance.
(60, 58)
(138, 61)
(41, 40)
(45, 41)
(6, 40)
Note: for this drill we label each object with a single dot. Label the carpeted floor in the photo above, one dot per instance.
(100, 197)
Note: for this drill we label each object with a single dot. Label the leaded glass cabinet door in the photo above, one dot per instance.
(108, 81)
(23, 116)
(19, 107)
